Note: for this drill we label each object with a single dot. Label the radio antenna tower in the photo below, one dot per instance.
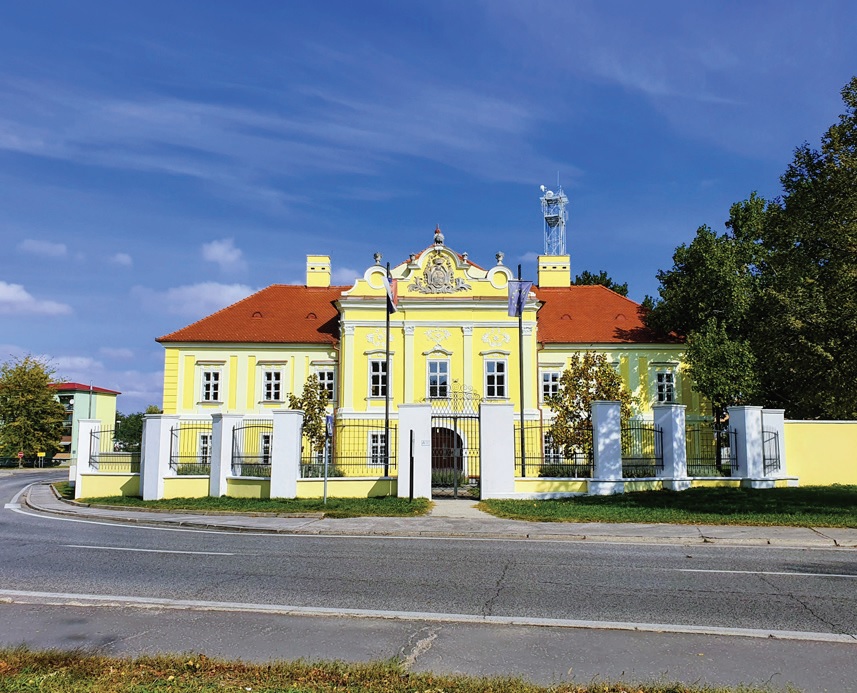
(553, 210)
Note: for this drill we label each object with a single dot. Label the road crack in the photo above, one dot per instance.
(417, 645)
(833, 626)
(488, 607)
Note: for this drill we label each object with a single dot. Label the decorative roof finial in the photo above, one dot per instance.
(438, 236)
(500, 257)
(377, 257)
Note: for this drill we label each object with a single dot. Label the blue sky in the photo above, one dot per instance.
(159, 160)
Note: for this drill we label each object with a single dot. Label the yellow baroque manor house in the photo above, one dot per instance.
(451, 334)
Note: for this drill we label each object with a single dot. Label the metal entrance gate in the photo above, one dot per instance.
(456, 466)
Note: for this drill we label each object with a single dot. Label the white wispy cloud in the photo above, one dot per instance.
(122, 259)
(344, 275)
(121, 353)
(43, 248)
(16, 300)
(193, 300)
(225, 254)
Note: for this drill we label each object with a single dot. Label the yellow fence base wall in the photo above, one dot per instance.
(550, 486)
(715, 483)
(104, 484)
(821, 453)
(348, 488)
(644, 485)
(186, 487)
(248, 488)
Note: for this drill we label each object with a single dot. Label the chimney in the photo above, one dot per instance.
(554, 271)
(318, 270)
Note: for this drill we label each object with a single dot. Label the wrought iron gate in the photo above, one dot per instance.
(456, 464)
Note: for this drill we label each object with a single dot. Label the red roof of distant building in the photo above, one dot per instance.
(591, 314)
(81, 387)
(281, 314)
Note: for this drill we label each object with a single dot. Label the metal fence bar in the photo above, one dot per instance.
(711, 451)
(642, 450)
(356, 449)
(252, 443)
(190, 447)
(770, 452)
(547, 459)
(105, 455)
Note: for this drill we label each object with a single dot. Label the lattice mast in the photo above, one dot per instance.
(555, 215)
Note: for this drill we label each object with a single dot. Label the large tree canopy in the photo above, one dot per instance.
(588, 278)
(772, 304)
(31, 417)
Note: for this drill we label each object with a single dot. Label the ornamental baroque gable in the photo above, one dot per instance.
(438, 277)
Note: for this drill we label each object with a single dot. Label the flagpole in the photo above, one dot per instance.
(521, 372)
(387, 388)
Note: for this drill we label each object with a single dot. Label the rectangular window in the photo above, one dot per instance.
(438, 378)
(265, 448)
(550, 384)
(377, 378)
(666, 387)
(327, 382)
(377, 448)
(272, 382)
(553, 455)
(495, 379)
(205, 448)
(211, 386)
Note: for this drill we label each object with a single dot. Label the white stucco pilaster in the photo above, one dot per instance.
(774, 420)
(497, 445)
(409, 363)
(286, 452)
(416, 419)
(155, 454)
(348, 364)
(671, 420)
(747, 423)
(467, 339)
(607, 445)
(222, 427)
(87, 443)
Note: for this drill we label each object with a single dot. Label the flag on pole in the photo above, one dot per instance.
(518, 292)
(392, 287)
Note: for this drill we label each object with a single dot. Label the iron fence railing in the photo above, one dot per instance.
(770, 452)
(547, 458)
(190, 447)
(106, 455)
(252, 443)
(356, 448)
(642, 450)
(711, 451)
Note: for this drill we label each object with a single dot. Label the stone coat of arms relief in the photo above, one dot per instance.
(438, 278)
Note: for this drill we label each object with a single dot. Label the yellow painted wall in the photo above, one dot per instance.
(186, 487)
(248, 488)
(101, 485)
(821, 453)
(549, 486)
(715, 483)
(654, 485)
(171, 380)
(339, 488)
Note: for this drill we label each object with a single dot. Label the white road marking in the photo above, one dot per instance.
(761, 572)
(12, 506)
(125, 548)
(71, 599)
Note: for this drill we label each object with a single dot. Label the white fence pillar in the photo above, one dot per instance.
(87, 443)
(774, 421)
(414, 418)
(747, 423)
(671, 420)
(222, 427)
(607, 448)
(286, 452)
(155, 454)
(497, 445)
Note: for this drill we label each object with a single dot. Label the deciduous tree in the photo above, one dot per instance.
(587, 278)
(313, 402)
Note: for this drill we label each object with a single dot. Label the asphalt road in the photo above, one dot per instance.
(427, 601)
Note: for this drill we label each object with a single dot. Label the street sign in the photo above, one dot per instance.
(20, 455)
(40, 454)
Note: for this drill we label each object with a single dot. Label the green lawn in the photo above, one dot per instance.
(807, 506)
(61, 672)
(335, 507)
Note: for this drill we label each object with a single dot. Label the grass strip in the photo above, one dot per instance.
(60, 672)
(388, 506)
(805, 506)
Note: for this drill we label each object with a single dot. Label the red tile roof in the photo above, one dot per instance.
(590, 315)
(281, 314)
(81, 387)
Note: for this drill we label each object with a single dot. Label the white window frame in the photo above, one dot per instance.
(204, 447)
(549, 383)
(266, 438)
(378, 367)
(272, 384)
(665, 389)
(210, 385)
(376, 448)
(501, 389)
(328, 382)
(442, 365)
(551, 452)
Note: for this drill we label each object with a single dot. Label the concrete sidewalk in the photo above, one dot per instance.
(454, 519)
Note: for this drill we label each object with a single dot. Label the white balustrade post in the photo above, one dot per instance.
(774, 421)
(747, 423)
(414, 418)
(497, 445)
(222, 428)
(87, 444)
(607, 448)
(671, 420)
(286, 452)
(155, 453)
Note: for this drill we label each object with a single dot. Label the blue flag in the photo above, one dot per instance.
(518, 292)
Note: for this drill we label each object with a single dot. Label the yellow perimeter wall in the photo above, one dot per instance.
(100, 485)
(821, 453)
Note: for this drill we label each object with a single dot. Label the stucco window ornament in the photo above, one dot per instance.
(495, 337)
(438, 334)
(376, 339)
(438, 277)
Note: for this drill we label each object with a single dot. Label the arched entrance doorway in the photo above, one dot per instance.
(455, 458)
